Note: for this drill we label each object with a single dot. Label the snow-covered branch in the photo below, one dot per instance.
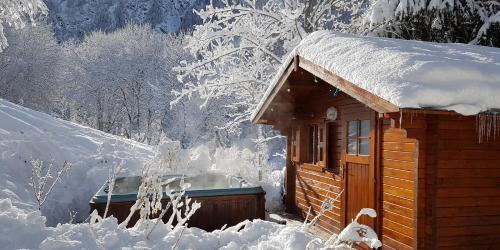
(16, 13)
(44, 178)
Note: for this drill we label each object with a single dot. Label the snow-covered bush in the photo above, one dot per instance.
(354, 233)
(44, 178)
(154, 184)
(113, 173)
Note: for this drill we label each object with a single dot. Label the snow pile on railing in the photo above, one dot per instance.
(409, 74)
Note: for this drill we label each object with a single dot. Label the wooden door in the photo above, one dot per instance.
(358, 165)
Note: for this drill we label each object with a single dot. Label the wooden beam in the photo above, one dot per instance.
(374, 102)
(296, 63)
(273, 94)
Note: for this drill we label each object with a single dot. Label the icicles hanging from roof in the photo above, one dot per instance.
(487, 126)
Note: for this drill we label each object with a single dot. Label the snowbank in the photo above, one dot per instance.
(26, 134)
(21, 230)
(409, 74)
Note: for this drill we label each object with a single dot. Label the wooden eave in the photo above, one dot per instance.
(374, 102)
(272, 96)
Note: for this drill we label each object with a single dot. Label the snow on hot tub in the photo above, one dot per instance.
(224, 199)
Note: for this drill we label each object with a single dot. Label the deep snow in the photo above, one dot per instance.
(409, 74)
(26, 134)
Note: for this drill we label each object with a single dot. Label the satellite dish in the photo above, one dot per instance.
(331, 114)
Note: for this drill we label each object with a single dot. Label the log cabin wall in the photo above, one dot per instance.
(458, 182)
(466, 179)
(313, 183)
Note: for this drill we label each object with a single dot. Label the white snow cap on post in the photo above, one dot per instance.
(407, 73)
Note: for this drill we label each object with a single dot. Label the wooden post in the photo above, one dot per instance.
(290, 176)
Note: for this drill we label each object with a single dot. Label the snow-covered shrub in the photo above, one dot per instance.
(113, 173)
(326, 205)
(354, 233)
(153, 186)
(168, 155)
(44, 178)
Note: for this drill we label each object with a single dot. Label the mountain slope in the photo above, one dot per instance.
(27, 135)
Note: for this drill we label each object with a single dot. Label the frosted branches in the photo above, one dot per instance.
(326, 205)
(239, 46)
(16, 13)
(354, 233)
(466, 21)
(113, 173)
(44, 178)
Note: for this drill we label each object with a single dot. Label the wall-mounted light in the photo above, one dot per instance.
(331, 114)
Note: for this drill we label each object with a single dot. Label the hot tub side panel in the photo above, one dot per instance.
(215, 211)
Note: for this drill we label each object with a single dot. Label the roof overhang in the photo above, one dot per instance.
(372, 101)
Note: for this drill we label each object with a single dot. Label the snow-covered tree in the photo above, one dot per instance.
(239, 46)
(121, 80)
(16, 13)
(30, 68)
(465, 21)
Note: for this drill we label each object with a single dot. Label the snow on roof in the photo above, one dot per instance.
(409, 74)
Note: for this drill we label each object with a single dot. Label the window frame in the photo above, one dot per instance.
(358, 138)
(316, 144)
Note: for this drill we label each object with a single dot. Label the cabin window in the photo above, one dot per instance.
(311, 137)
(316, 144)
(332, 147)
(358, 137)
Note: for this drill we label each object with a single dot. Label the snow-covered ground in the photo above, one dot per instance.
(26, 135)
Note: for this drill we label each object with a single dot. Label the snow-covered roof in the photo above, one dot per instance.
(409, 74)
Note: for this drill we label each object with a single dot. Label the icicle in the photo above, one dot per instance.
(487, 126)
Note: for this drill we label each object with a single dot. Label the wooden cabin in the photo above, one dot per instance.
(432, 175)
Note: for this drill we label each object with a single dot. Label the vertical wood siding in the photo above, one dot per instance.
(399, 184)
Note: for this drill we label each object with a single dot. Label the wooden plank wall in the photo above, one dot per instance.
(467, 180)
(312, 186)
(399, 184)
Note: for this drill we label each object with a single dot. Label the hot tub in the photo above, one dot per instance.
(224, 199)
